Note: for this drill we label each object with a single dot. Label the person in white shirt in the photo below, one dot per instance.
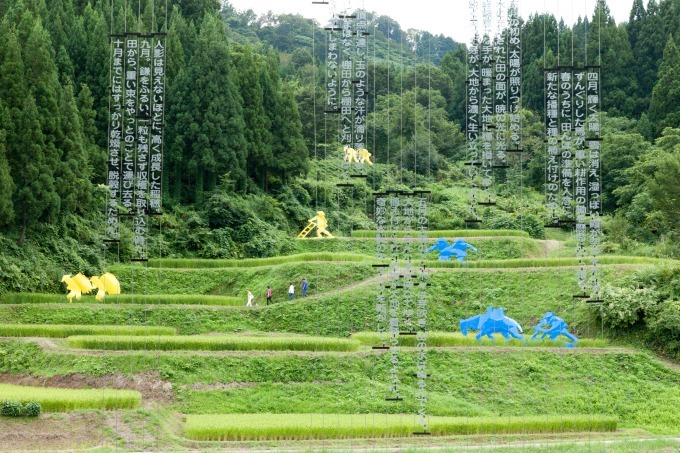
(250, 299)
(291, 291)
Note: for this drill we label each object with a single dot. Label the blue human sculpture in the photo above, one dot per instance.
(458, 249)
(493, 321)
(553, 326)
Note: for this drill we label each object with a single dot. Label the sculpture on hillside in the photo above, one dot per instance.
(360, 156)
(79, 285)
(491, 322)
(458, 249)
(320, 223)
(553, 326)
(106, 284)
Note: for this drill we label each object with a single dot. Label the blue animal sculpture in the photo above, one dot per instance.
(493, 321)
(553, 326)
(458, 249)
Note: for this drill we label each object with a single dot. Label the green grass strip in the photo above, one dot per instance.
(237, 427)
(545, 262)
(214, 343)
(67, 330)
(191, 263)
(452, 339)
(60, 400)
(147, 299)
(442, 233)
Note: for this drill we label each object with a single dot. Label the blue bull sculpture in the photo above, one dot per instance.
(553, 326)
(458, 249)
(491, 322)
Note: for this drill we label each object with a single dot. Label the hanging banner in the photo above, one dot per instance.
(514, 78)
(115, 138)
(486, 103)
(472, 113)
(130, 122)
(140, 221)
(421, 375)
(553, 180)
(360, 89)
(157, 123)
(580, 175)
(593, 132)
(566, 147)
(500, 90)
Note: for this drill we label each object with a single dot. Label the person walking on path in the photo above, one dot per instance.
(269, 295)
(305, 287)
(250, 299)
(291, 291)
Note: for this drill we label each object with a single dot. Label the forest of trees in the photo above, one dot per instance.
(243, 152)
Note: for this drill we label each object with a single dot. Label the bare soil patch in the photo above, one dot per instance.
(51, 432)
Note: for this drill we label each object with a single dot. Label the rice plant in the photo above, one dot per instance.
(189, 263)
(443, 233)
(237, 427)
(543, 262)
(60, 400)
(453, 339)
(142, 299)
(213, 343)
(65, 330)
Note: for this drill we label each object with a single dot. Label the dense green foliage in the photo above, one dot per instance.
(16, 409)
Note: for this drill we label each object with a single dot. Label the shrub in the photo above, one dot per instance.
(32, 409)
(624, 307)
(11, 409)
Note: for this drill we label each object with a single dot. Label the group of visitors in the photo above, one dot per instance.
(304, 286)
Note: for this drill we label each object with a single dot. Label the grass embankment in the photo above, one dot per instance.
(473, 382)
(453, 339)
(142, 299)
(322, 278)
(444, 233)
(488, 248)
(343, 426)
(213, 343)
(63, 330)
(60, 400)
(546, 262)
(189, 263)
(525, 295)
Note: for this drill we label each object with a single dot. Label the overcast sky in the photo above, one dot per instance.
(447, 17)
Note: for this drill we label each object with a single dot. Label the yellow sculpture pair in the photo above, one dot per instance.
(79, 284)
(360, 156)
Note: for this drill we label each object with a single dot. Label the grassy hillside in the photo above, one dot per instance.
(296, 357)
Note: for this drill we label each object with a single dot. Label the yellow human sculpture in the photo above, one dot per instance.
(76, 285)
(107, 283)
(320, 223)
(350, 154)
(365, 157)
